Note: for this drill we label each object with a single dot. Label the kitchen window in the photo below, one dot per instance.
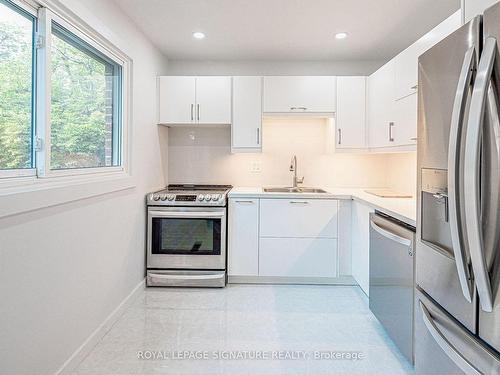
(17, 56)
(63, 96)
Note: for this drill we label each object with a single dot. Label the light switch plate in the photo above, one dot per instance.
(256, 167)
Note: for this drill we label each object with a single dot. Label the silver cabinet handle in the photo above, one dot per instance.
(414, 87)
(445, 344)
(300, 108)
(340, 136)
(299, 202)
(258, 136)
(390, 235)
(192, 112)
(472, 188)
(244, 202)
(391, 138)
(454, 179)
(198, 111)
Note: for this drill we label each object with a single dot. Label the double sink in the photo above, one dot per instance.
(294, 190)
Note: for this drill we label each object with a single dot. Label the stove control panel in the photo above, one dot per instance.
(165, 198)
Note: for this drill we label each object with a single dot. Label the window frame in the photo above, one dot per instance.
(29, 10)
(43, 155)
(45, 12)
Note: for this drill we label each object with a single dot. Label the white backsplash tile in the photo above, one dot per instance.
(203, 155)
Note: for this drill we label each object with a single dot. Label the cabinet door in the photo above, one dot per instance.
(360, 216)
(406, 63)
(213, 100)
(351, 112)
(406, 71)
(247, 114)
(299, 94)
(243, 237)
(298, 218)
(298, 257)
(405, 125)
(176, 100)
(381, 106)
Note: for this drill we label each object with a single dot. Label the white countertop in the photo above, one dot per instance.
(404, 209)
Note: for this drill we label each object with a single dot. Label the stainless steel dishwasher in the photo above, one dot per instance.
(392, 278)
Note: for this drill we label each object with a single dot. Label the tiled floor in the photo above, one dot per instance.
(246, 320)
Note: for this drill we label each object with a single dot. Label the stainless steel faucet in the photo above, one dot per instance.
(293, 168)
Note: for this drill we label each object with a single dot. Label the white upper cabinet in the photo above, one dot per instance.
(246, 134)
(406, 63)
(297, 94)
(177, 100)
(404, 131)
(392, 91)
(194, 100)
(381, 107)
(350, 117)
(213, 100)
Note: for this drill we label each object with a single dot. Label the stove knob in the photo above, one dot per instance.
(215, 197)
(156, 197)
(171, 197)
(201, 197)
(163, 197)
(208, 197)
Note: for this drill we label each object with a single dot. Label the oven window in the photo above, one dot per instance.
(186, 236)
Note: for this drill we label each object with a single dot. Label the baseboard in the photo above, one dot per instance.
(72, 363)
(341, 280)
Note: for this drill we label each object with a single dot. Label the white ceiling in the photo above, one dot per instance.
(286, 29)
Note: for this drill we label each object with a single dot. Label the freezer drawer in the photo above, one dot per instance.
(444, 346)
(392, 280)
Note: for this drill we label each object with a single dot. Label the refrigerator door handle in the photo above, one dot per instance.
(457, 120)
(472, 175)
(445, 344)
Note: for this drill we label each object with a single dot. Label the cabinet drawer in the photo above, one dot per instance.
(301, 257)
(298, 218)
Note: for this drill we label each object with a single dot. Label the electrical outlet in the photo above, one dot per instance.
(256, 167)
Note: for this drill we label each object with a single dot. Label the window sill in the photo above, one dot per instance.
(28, 194)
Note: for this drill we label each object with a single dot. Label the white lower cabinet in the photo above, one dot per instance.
(243, 237)
(360, 244)
(298, 257)
(283, 238)
(298, 218)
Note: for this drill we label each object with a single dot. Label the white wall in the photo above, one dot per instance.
(401, 172)
(190, 67)
(64, 269)
(202, 155)
(471, 8)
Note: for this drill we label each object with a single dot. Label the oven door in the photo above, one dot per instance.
(186, 238)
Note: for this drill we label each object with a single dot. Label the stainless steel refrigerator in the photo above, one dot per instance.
(457, 309)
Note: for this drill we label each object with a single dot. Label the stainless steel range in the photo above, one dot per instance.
(186, 242)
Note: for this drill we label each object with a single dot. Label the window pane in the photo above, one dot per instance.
(85, 109)
(16, 88)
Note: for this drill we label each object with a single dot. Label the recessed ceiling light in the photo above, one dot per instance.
(198, 35)
(341, 35)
